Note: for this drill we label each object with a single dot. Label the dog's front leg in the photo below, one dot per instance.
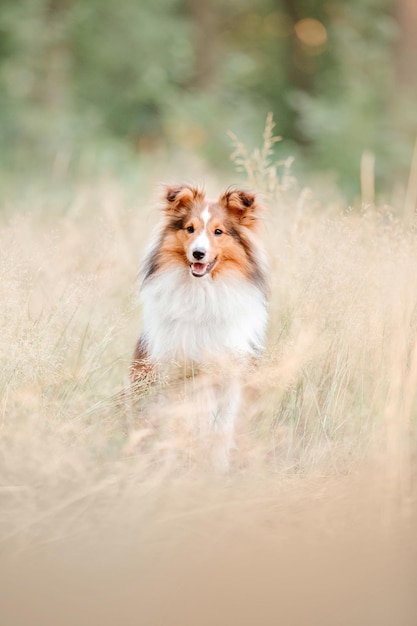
(223, 423)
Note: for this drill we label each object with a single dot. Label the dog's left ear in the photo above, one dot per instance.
(178, 200)
(242, 205)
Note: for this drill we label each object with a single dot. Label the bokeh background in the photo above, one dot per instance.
(107, 519)
(93, 83)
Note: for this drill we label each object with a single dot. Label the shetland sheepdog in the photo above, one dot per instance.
(204, 301)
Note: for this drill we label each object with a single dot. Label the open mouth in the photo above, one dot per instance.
(201, 269)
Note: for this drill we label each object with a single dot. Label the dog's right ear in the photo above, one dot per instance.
(180, 199)
(242, 205)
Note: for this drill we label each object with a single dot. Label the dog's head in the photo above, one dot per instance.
(210, 237)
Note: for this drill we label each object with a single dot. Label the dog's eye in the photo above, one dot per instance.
(190, 229)
(218, 232)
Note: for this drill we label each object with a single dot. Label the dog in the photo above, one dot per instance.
(204, 300)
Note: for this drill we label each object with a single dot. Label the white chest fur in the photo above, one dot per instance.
(198, 319)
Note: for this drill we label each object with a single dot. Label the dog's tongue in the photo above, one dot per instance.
(198, 268)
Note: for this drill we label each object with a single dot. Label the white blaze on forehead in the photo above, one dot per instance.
(202, 242)
(206, 216)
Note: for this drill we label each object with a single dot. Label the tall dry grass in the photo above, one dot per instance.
(102, 523)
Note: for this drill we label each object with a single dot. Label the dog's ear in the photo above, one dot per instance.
(242, 205)
(179, 199)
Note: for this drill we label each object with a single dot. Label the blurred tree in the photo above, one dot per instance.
(338, 75)
(406, 46)
(205, 23)
(129, 62)
(55, 85)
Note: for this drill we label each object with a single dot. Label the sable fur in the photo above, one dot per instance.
(203, 286)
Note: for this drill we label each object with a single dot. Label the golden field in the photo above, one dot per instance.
(315, 522)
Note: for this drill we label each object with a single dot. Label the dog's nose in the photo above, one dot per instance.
(199, 254)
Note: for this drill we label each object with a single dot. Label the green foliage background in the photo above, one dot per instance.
(168, 77)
